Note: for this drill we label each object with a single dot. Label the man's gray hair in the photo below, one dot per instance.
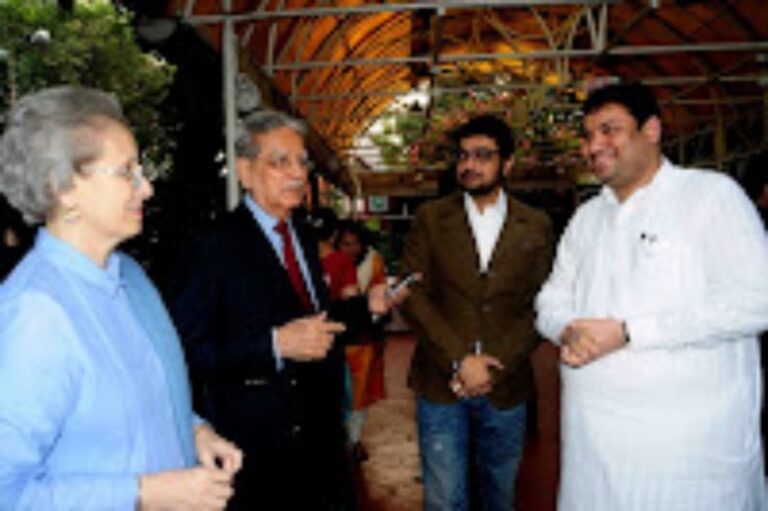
(49, 135)
(259, 123)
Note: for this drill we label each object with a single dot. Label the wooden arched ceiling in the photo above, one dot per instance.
(342, 62)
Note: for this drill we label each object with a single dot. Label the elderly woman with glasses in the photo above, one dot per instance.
(94, 400)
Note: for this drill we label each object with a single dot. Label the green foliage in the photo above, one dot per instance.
(410, 127)
(94, 47)
(545, 134)
(389, 143)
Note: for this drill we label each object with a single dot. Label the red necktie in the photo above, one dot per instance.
(292, 266)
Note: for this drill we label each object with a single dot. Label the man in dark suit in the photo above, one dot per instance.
(253, 312)
(482, 256)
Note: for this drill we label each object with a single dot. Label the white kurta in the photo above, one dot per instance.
(670, 423)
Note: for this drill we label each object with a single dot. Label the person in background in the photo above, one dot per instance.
(483, 256)
(366, 358)
(658, 293)
(338, 268)
(94, 400)
(341, 278)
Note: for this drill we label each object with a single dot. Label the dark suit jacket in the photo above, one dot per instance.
(455, 304)
(232, 290)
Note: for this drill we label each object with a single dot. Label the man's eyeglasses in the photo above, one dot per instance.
(284, 162)
(481, 154)
(133, 172)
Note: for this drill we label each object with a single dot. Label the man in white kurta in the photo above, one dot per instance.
(658, 292)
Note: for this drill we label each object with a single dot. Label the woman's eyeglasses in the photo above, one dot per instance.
(133, 172)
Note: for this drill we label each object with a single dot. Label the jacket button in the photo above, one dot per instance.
(293, 382)
(296, 429)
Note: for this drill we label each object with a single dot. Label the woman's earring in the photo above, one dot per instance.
(71, 215)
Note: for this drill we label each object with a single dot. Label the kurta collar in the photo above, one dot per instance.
(662, 176)
(65, 255)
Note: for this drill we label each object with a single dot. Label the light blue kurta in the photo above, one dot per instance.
(93, 388)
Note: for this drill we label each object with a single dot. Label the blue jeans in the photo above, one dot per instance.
(447, 434)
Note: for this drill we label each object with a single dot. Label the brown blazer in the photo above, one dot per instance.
(455, 304)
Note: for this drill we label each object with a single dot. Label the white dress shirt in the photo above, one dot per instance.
(672, 421)
(267, 223)
(486, 225)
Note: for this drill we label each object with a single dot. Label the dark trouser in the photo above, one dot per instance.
(307, 480)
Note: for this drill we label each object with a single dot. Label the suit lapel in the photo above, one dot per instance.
(511, 235)
(256, 241)
(260, 253)
(261, 250)
(311, 257)
(456, 236)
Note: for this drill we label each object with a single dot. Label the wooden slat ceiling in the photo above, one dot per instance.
(342, 63)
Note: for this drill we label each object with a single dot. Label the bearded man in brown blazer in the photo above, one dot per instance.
(483, 256)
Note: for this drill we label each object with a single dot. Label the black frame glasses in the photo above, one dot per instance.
(481, 154)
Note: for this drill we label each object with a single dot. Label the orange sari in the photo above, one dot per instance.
(366, 360)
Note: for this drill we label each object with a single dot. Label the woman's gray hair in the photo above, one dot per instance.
(259, 123)
(49, 135)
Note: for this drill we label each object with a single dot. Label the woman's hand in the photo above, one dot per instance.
(216, 452)
(194, 489)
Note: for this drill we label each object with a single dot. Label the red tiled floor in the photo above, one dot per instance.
(537, 482)
(391, 475)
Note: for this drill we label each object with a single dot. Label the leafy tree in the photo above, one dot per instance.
(546, 134)
(93, 45)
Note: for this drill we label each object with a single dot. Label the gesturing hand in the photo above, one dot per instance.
(193, 489)
(307, 338)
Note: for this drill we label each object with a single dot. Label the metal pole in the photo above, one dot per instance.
(574, 53)
(650, 81)
(368, 9)
(229, 49)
